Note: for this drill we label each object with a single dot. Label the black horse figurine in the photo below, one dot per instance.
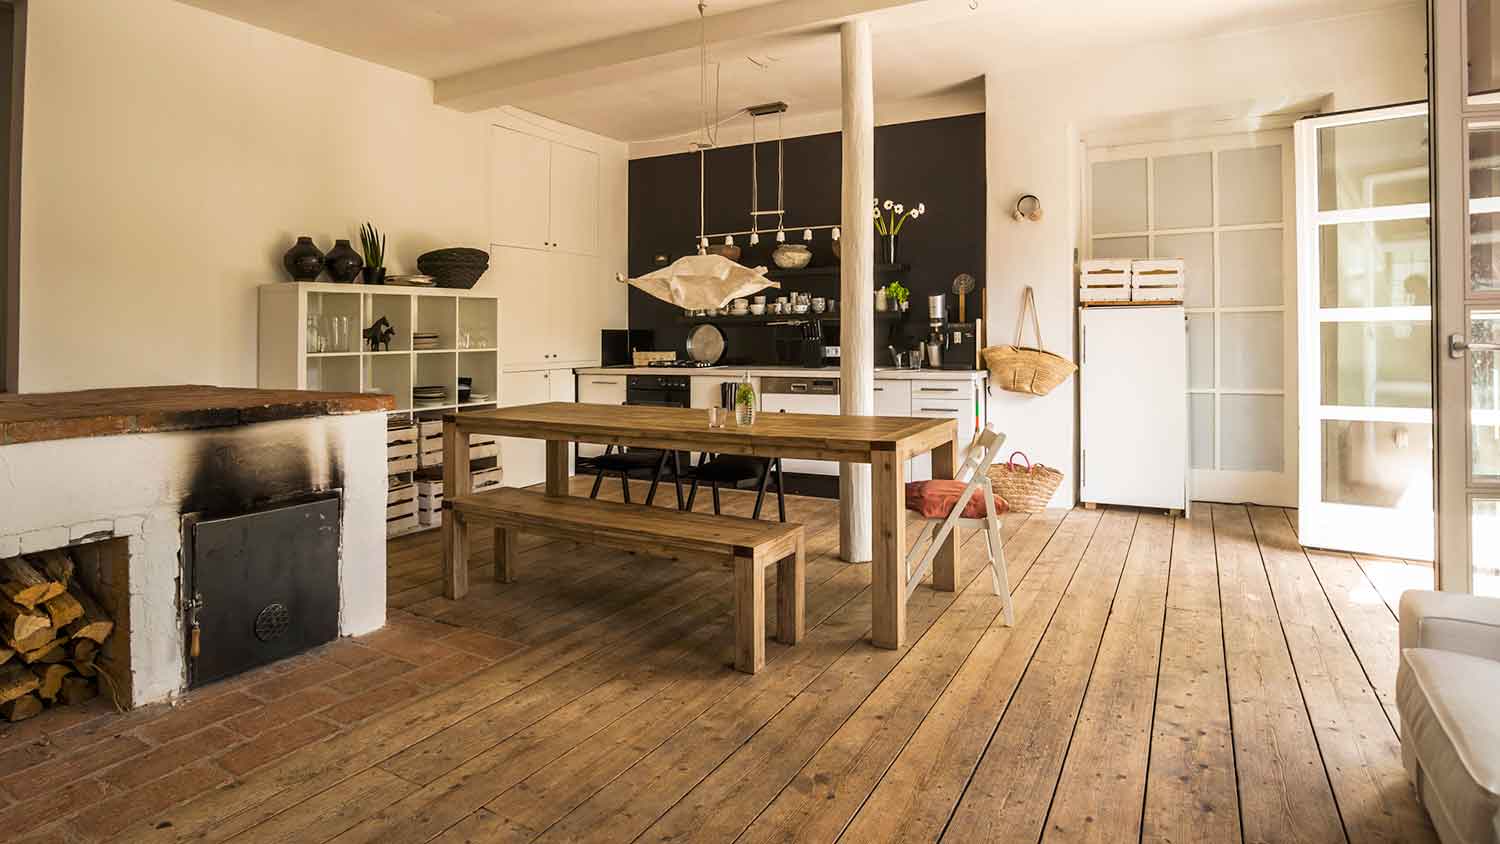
(379, 334)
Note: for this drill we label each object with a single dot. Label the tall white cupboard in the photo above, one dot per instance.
(1133, 406)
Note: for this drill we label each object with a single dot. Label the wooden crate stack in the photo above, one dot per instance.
(51, 631)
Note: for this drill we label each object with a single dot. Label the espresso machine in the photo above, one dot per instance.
(950, 344)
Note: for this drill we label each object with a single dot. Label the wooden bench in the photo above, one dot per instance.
(749, 546)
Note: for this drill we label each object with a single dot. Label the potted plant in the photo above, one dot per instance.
(897, 293)
(890, 223)
(744, 403)
(372, 242)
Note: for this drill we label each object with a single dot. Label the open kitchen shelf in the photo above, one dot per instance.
(777, 274)
(766, 319)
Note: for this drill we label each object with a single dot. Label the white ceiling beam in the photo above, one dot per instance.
(650, 51)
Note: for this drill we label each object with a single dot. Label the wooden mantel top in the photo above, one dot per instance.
(34, 417)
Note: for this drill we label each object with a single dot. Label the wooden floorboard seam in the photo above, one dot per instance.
(1228, 688)
(1140, 832)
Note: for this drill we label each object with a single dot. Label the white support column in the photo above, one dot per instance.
(857, 328)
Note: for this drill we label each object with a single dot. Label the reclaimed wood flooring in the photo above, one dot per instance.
(1191, 679)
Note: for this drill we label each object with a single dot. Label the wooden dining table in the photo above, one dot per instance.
(884, 442)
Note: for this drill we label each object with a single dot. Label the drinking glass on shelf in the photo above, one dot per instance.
(336, 335)
(314, 334)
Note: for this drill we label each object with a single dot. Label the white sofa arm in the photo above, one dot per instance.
(1451, 621)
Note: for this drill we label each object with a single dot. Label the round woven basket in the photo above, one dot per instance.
(459, 267)
(1025, 489)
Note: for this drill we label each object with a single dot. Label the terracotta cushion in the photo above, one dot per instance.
(935, 499)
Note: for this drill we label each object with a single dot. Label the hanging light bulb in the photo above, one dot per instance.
(807, 235)
(702, 243)
(728, 240)
(835, 232)
(754, 238)
(780, 236)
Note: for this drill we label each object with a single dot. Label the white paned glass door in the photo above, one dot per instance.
(1466, 210)
(1365, 317)
(1225, 205)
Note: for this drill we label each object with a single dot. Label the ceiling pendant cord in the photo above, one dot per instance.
(754, 175)
(780, 199)
(702, 237)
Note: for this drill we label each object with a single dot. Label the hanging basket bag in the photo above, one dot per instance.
(1025, 489)
(1027, 369)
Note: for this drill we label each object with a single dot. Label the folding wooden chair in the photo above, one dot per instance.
(973, 473)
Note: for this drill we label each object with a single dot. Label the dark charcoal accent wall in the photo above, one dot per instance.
(939, 162)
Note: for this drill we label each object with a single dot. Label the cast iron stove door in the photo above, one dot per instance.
(267, 584)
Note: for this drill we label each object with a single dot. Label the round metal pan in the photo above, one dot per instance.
(705, 343)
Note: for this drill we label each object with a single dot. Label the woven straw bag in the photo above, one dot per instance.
(1025, 489)
(1027, 369)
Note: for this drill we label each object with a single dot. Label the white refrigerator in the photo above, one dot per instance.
(1133, 406)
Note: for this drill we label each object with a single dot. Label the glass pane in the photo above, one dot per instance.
(1119, 196)
(1134, 248)
(1377, 364)
(1250, 268)
(1377, 464)
(1365, 165)
(1484, 396)
(1197, 253)
(1484, 46)
(1250, 186)
(1200, 351)
(1201, 424)
(1376, 265)
(1251, 427)
(1484, 546)
(1251, 351)
(1184, 191)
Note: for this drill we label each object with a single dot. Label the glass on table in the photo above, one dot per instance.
(718, 417)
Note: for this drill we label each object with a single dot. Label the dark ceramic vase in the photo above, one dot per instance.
(342, 262)
(374, 275)
(304, 261)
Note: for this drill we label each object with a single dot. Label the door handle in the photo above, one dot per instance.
(1457, 345)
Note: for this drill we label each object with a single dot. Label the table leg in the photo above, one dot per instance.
(945, 571)
(557, 467)
(888, 554)
(456, 482)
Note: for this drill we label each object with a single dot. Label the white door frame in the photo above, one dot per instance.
(1270, 488)
(1347, 527)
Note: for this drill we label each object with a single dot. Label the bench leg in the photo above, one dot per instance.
(791, 597)
(749, 615)
(455, 555)
(505, 555)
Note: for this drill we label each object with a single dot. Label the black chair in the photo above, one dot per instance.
(637, 460)
(733, 470)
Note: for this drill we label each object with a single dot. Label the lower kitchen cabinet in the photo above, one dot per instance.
(525, 460)
(599, 389)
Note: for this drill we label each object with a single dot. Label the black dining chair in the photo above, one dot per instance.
(732, 470)
(617, 460)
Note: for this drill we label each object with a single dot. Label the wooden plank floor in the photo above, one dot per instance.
(1197, 679)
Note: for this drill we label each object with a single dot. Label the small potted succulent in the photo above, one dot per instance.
(372, 242)
(897, 293)
(744, 403)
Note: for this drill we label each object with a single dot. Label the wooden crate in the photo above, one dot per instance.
(1158, 280)
(1104, 280)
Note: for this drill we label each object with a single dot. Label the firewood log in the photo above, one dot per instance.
(15, 681)
(50, 679)
(52, 651)
(95, 624)
(23, 707)
(76, 690)
(21, 582)
(35, 640)
(63, 610)
(17, 623)
(55, 564)
(84, 668)
(6, 654)
(84, 649)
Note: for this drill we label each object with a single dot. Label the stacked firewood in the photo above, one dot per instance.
(51, 630)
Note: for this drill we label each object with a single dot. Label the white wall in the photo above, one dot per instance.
(172, 156)
(1034, 122)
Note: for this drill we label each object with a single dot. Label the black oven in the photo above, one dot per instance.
(658, 390)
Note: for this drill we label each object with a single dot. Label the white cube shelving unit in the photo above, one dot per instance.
(467, 325)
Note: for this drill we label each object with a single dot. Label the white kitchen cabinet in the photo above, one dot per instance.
(543, 195)
(705, 390)
(552, 307)
(524, 460)
(599, 389)
(520, 189)
(1133, 406)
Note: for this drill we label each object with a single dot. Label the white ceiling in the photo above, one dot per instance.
(922, 49)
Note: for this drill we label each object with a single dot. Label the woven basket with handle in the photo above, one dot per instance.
(1027, 369)
(1025, 489)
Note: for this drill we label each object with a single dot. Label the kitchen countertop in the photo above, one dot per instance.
(887, 373)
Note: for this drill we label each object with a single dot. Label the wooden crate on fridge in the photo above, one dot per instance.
(1158, 280)
(1104, 280)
